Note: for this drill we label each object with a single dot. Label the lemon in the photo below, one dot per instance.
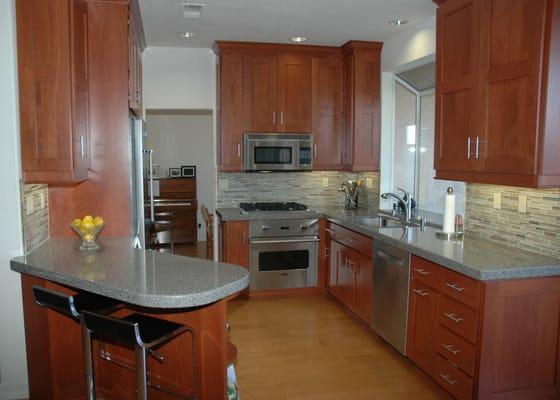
(77, 222)
(87, 219)
(98, 221)
(86, 226)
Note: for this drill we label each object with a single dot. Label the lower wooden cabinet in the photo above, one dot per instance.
(234, 241)
(351, 278)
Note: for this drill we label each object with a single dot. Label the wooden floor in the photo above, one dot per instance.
(197, 250)
(304, 348)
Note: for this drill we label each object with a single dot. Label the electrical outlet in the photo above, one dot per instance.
(42, 200)
(498, 201)
(29, 205)
(522, 205)
(325, 181)
(369, 183)
(223, 184)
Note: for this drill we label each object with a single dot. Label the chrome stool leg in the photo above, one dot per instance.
(141, 373)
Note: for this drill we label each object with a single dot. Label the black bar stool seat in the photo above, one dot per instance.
(141, 331)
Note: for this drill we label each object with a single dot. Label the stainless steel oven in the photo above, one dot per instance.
(283, 253)
(278, 152)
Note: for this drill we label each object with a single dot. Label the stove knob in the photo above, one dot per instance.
(303, 227)
(265, 228)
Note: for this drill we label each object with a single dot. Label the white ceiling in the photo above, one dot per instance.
(324, 22)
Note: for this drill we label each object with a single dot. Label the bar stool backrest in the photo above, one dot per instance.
(124, 331)
(60, 302)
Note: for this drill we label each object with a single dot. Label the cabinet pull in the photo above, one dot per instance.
(273, 117)
(448, 379)
(238, 150)
(450, 349)
(476, 148)
(421, 292)
(315, 151)
(351, 265)
(82, 150)
(455, 287)
(422, 271)
(453, 317)
(281, 117)
(469, 148)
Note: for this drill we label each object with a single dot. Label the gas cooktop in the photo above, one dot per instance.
(273, 206)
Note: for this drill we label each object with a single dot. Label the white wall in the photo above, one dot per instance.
(179, 78)
(13, 370)
(185, 138)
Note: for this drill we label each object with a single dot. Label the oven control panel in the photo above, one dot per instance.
(284, 227)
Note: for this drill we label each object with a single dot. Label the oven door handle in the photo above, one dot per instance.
(280, 241)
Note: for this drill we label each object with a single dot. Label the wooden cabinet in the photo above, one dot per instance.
(496, 98)
(294, 93)
(53, 91)
(351, 274)
(135, 48)
(260, 75)
(235, 242)
(361, 105)
(326, 112)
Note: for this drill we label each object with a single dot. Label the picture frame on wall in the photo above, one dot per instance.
(174, 172)
(188, 171)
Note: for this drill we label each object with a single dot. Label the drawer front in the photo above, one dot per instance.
(461, 288)
(426, 272)
(456, 350)
(354, 240)
(458, 318)
(453, 380)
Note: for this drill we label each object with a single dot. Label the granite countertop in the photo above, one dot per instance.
(480, 259)
(140, 277)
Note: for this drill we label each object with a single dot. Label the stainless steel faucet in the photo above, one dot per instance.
(405, 202)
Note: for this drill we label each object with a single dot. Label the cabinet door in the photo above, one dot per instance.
(294, 93)
(345, 278)
(512, 52)
(259, 93)
(422, 324)
(326, 111)
(457, 126)
(235, 243)
(362, 271)
(230, 112)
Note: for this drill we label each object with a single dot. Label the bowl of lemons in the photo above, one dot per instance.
(87, 229)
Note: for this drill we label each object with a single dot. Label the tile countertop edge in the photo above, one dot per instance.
(143, 300)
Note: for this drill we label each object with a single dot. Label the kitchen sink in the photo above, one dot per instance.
(378, 222)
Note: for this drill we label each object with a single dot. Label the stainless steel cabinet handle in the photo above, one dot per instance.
(82, 147)
(453, 317)
(477, 145)
(455, 287)
(315, 151)
(422, 271)
(281, 117)
(448, 379)
(238, 150)
(273, 117)
(450, 349)
(469, 148)
(421, 292)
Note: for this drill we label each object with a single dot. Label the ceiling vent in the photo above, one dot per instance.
(192, 10)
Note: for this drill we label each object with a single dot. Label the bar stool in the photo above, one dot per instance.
(73, 306)
(142, 332)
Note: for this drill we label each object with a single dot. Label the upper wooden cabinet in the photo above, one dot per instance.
(53, 90)
(497, 92)
(260, 76)
(362, 110)
(136, 45)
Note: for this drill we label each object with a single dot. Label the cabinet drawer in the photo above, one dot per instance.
(453, 380)
(458, 318)
(461, 288)
(354, 240)
(425, 271)
(456, 350)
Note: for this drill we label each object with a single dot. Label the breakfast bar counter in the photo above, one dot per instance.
(188, 291)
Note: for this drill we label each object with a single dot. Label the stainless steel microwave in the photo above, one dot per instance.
(278, 152)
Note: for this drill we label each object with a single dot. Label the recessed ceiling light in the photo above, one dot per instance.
(298, 39)
(398, 22)
(187, 35)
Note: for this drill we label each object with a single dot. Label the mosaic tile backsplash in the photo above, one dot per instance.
(303, 187)
(36, 223)
(537, 230)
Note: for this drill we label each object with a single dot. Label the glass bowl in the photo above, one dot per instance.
(88, 235)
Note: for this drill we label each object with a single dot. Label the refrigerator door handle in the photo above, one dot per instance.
(151, 181)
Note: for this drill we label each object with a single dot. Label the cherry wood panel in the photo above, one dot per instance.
(177, 188)
(362, 271)
(324, 254)
(422, 325)
(458, 318)
(260, 74)
(230, 120)
(184, 223)
(461, 288)
(294, 93)
(53, 91)
(326, 109)
(456, 350)
(354, 240)
(235, 242)
(107, 191)
(453, 380)
(520, 340)
(426, 272)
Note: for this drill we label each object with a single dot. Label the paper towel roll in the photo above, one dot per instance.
(449, 212)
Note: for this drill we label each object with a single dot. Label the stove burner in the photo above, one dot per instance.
(272, 206)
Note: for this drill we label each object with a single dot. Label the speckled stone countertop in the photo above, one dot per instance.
(480, 259)
(139, 277)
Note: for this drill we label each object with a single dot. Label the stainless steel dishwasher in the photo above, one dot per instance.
(391, 277)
